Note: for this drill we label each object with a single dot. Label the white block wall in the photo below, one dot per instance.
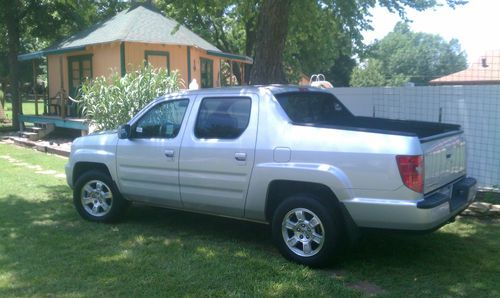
(475, 108)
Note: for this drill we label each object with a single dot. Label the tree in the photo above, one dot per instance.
(404, 56)
(32, 25)
(369, 74)
(228, 24)
(315, 43)
(319, 32)
(11, 17)
(271, 36)
(340, 73)
(351, 17)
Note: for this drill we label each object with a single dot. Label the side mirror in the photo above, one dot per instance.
(124, 131)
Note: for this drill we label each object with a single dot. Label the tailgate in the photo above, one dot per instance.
(444, 161)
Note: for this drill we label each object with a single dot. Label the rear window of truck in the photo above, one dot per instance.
(312, 107)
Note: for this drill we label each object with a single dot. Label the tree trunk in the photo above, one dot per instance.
(249, 46)
(271, 37)
(4, 81)
(12, 22)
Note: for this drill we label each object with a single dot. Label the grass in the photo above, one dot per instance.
(28, 108)
(47, 250)
(490, 197)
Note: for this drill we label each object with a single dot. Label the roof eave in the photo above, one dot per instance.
(40, 54)
(471, 82)
(230, 56)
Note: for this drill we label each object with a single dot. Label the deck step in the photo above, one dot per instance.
(37, 132)
(33, 136)
(28, 133)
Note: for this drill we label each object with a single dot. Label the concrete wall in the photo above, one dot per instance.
(475, 108)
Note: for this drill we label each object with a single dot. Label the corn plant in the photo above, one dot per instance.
(107, 102)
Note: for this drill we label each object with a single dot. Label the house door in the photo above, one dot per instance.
(207, 73)
(79, 70)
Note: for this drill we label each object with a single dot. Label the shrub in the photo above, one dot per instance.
(107, 102)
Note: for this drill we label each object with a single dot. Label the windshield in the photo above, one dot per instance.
(312, 107)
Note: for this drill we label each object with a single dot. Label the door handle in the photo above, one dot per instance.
(240, 156)
(169, 153)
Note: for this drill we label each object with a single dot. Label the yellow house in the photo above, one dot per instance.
(122, 43)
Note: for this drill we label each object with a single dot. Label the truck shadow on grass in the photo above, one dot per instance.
(50, 250)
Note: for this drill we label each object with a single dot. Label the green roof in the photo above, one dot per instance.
(139, 23)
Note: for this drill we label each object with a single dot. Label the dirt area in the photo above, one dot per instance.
(59, 142)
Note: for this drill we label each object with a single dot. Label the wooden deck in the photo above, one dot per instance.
(72, 123)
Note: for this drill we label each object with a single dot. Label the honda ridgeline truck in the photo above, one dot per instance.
(295, 158)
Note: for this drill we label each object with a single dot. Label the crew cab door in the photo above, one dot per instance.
(148, 161)
(217, 154)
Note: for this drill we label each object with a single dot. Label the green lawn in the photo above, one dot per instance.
(28, 108)
(47, 250)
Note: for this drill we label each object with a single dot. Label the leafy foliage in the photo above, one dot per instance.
(315, 40)
(32, 25)
(406, 56)
(319, 32)
(371, 74)
(368, 75)
(228, 24)
(110, 101)
(42, 23)
(340, 73)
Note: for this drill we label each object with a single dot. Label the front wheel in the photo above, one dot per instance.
(307, 230)
(96, 198)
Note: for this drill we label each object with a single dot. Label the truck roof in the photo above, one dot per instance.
(275, 89)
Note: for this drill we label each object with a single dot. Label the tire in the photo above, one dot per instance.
(307, 230)
(97, 199)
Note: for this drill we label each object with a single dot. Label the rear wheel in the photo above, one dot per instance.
(96, 198)
(307, 230)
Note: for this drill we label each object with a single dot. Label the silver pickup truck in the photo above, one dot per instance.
(293, 157)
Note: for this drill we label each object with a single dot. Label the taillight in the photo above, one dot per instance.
(411, 168)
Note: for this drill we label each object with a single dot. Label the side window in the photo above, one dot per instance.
(162, 121)
(222, 117)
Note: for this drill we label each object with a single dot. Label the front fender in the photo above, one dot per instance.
(86, 155)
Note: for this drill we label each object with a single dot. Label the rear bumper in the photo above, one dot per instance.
(429, 213)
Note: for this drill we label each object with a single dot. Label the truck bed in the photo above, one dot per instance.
(421, 129)
(325, 110)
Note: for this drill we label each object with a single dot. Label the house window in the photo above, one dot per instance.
(158, 59)
(207, 73)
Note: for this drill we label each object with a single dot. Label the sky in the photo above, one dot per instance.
(474, 24)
